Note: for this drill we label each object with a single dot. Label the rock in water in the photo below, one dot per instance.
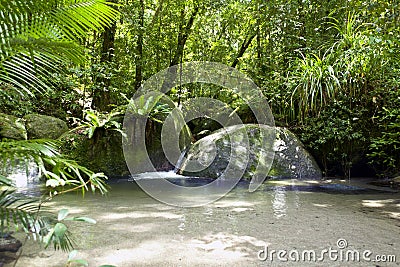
(211, 155)
(9, 244)
(41, 126)
(8, 248)
(291, 159)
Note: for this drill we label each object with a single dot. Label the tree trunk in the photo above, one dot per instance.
(302, 30)
(102, 97)
(184, 32)
(139, 48)
(246, 43)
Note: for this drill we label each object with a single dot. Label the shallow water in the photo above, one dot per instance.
(135, 230)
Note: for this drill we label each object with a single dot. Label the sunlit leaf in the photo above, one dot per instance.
(82, 219)
(62, 214)
(60, 229)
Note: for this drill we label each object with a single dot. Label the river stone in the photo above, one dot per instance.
(9, 244)
(41, 126)
(12, 127)
(290, 161)
(8, 248)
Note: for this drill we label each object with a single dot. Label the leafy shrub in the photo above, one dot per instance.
(338, 137)
(384, 150)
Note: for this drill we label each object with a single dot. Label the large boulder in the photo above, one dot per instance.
(41, 126)
(290, 159)
(12, 127)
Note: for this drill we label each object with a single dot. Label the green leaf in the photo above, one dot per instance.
(35, 35)
(60, 229)
(62, 214)
(82, 219)
(5, 181)
(48, 238)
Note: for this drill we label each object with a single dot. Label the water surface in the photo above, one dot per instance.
(133, 229)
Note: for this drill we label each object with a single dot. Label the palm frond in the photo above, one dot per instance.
(18, 212)
(57, 170)
(35, 34)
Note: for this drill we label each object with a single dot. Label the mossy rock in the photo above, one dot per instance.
(12, 127)
(42, 126)
(103, 153)
(274, 149)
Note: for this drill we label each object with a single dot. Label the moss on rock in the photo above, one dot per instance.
(103, 154)
(41, 126)
(12, 127)
(274, 150)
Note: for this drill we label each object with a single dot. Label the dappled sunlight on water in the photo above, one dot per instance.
(223, 243)
(135, 230)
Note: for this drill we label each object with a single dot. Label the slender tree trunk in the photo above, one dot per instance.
(246, 43)
(139, 48)
(303, 21)
(184, 32)
(183, 35)
(259, 49)
(102, 97)
(156, 15)
(107, 51)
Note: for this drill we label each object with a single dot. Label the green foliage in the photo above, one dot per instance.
(315, 83)
(73, 262)
(62, 175)
(20, 212)
(347, 67)
(58, 170)
(15, 212)
(95, 121)
(152, 106)
(385, 145)
(58, 235)
(312, 59)
(9, 98)
(66, 100)
(337, 136)
(35, 34)
(40, 38)
(76, 262)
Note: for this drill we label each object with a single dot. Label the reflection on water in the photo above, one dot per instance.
(208, 214)
(24, 178)
(281, 194)
(182, 220)
(279, 201)
(135, 230)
